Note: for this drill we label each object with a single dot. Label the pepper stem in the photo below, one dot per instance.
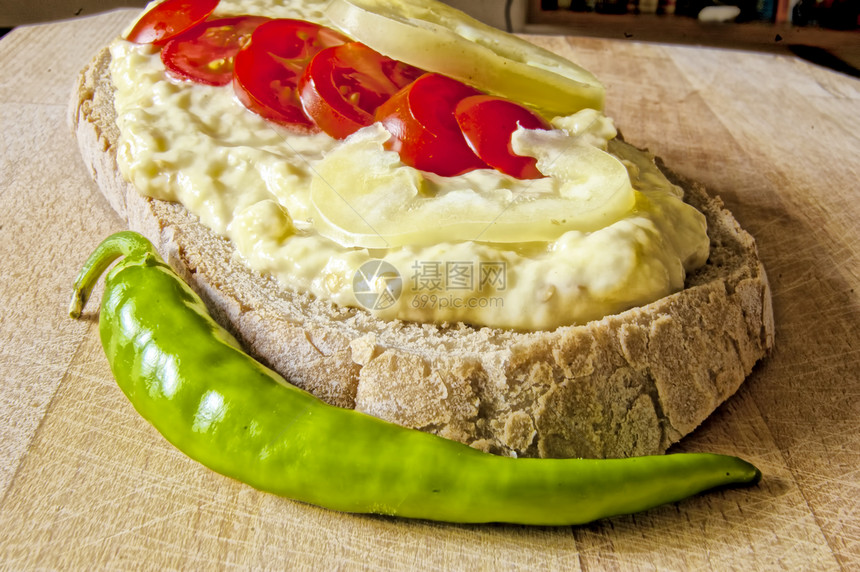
(125, 243)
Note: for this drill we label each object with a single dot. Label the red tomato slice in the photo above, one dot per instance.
(266, 72)
(343, 86)
(488, 123)
(205, 53)
(420, 118)
(168, 19)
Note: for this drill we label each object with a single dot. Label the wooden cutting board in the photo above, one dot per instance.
(85, 483)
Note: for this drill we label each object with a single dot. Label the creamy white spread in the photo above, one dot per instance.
(272, 193)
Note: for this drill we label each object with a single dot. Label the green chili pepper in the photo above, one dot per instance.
(188, 377)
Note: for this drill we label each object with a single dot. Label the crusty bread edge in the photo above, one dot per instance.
(629, 384)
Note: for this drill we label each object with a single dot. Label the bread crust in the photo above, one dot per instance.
(629, 384)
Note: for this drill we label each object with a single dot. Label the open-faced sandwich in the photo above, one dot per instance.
(409, 213)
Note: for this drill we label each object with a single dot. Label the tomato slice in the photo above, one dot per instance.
(266, 72)
(488, 122)
(420, 118)
(205, 53)
(169, 19)
(343, 86)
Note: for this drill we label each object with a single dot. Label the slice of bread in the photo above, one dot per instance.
(630, 384)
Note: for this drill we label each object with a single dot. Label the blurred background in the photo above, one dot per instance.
(823, 31)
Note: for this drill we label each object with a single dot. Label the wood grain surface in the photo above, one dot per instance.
(85, 483)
